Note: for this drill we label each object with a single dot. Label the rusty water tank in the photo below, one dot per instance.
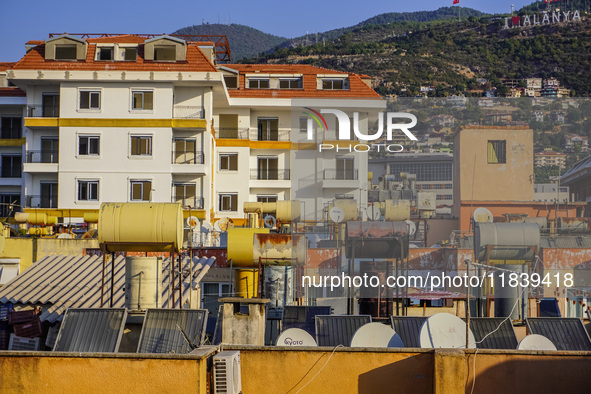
(240, 245)
(279, 249)
(134, 226)
(507, 241)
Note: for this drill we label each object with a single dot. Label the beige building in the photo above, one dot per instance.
(550, 158)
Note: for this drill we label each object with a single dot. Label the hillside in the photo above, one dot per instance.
(244, 41)
(451, 55)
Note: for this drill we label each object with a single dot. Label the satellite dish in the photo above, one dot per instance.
(223, 224)
(336, 214)
(482, 215)
(270, 221)
(295, 337)
(65, 236)
(206, 228)
(412, 227)
(373, 212)
(192, 222)
(376, 335)
(444, 330)
(535, 342)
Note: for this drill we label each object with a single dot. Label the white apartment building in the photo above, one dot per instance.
(155, 118)
(12, 107)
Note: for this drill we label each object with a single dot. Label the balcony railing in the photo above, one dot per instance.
(341, 175)
(188, 112)
(231, 133)
(270, 175)
(41, 201)
(270, 135)
(41, 156)
(43, 111)
(187, 157)
(194, 202)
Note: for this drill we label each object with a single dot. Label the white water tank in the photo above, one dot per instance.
(143, 283)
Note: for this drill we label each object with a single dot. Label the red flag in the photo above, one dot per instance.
(456, 1)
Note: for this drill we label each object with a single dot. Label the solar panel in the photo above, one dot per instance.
(91, 330)
(171, 330)
(502, 335)
(564, 332)
(408, 327)
(336, 330)
(302, 317)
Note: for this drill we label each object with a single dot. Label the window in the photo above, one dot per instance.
(304, 124)
(425, 172)
(231, 81)
(448, 186)
(105, 53)
(88, 145)
(140, 190)
(185, 152)
(90, 99)
(11, 127)
(212, 292)
(436, 186)
(497, 152)
(292, 83)
(165, 53)
(11, 166)
(229, 202)
(141, 145)
(65, 52)
(88, 190)
(333, 84)
(51, 105)
(129, 54)
(267, 168)
(268, 129)
(258, 84)
(48, 198)
(9, 204)
(345, 169)
(267, 198)
(143, 100)
(229, 161)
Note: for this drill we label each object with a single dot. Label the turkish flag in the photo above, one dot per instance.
(456, 1)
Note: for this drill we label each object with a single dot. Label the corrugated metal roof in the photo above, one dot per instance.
(303, 317)
(91, 330)
(567, 333)
(408, 327)
(162, 331)
(59, 282)
(336, 330)
(502, 337)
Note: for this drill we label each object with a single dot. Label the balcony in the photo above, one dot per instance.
(194, 202)
(340, 179)
(188, 112)
(188, 162)
(39, 115)
(270, 135)
(41, 201)
(232, 133)
(39, 161)
(260, 178)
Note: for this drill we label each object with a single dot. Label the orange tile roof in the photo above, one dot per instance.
(6, 65)
(35, 59)
(12, 92)
(357, 88)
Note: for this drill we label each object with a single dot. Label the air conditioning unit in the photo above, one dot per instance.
(226, 373)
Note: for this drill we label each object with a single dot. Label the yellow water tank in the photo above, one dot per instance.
(349, 207)
(130, 224)
(288, 211)
(91, 217)
(246, 283)
(240, 241)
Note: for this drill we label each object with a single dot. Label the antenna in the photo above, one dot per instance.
(376, 335)
(295, 337)
(536, 342)
(192, 222)
(412, 227)
(444, 330)
(373, 212)
(336, 214)
(223, 224)
(482, 215)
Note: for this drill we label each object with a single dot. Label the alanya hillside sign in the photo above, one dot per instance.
(544, 18)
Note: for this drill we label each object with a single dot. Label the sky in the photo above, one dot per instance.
(21, 21)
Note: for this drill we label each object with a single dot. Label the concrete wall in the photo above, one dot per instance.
(34, 372)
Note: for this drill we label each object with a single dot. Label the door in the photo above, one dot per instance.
(49, 150)
(48, 195)
(185, 151)
(267, 168)
(345, 170)
(268, 129)
(51, 105)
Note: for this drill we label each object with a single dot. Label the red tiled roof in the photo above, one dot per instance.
(12, 92)
(6, 65)
(35, 59)
(357, 88)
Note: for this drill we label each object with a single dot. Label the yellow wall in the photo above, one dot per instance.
(29, 250)
(70, 373)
